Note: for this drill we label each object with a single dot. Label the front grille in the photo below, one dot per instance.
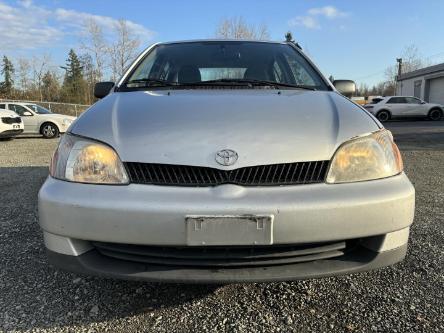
(9, 120)
(262, 175)
(218, 256)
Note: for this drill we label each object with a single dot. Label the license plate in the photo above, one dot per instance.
(229, 230)
(16, 126)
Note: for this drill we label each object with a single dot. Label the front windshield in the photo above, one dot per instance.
(222, 63)
(38, 109)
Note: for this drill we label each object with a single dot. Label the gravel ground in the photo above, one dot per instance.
(408, 297)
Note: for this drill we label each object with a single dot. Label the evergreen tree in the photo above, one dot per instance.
(73, 68)
(50, 87)
(7, 86)
(74, 85)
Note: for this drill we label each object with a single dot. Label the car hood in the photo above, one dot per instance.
(190, 126)
(56, 116)
(7, 113)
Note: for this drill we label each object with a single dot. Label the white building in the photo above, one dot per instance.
(426, 83)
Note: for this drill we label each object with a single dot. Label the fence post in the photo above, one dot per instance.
(75, 107)
(49, 107)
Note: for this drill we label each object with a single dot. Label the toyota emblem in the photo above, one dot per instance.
(226, 157)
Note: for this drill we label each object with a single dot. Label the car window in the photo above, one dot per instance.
(38, 109)
(162, 70)
(412, 100)
(300, 73)
(397, 100)
(277, 72)
(2, 106)
(19, 109)
(33, 107)
(376, 100)
(208, 74)
(192, 62)
(146, 67)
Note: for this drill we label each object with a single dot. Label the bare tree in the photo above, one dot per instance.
(23, 73)
(90, 76)
(124, 50)
(95, 44)
(362, 90)
(411, 61)
(237, 28)
(39, 68)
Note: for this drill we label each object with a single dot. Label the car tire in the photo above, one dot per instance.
(49, 130)
(383, 116)
(435, 114)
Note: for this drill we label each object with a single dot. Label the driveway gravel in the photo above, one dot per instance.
(35, 297)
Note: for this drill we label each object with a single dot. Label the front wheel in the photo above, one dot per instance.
(49, 131)
(435, 114)
(383, 116)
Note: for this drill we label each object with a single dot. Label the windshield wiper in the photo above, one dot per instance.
(249, 82)
(228, 82)
(152, 82)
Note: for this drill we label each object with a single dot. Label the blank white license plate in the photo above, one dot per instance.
(229, 230)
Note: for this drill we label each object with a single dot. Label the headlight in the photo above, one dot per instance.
(370, 157)
(67, 121)
(86, 161)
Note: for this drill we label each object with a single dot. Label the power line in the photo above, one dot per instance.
(370, 75)
(383, 70)
(435, 55)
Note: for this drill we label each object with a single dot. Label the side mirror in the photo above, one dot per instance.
(101, 89)
(27, 113)
(422, 102)
(345, 87)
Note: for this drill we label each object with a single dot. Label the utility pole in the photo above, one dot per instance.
(399, 61)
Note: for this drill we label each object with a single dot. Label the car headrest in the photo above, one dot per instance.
(256, 73)
(189, 74)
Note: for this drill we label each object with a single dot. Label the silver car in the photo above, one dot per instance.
(391, 107)
(222, 161)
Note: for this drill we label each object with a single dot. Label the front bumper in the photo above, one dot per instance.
(378, 213)
(63, 128)
(93, 263)
(10, 133)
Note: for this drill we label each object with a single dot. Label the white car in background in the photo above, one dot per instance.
(38, 120)
(10, 124)
(386, 108)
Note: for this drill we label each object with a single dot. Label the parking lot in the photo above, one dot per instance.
(408, 297)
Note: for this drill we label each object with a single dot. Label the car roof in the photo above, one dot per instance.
(19, 103)
(401, 96)
(221, 40)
